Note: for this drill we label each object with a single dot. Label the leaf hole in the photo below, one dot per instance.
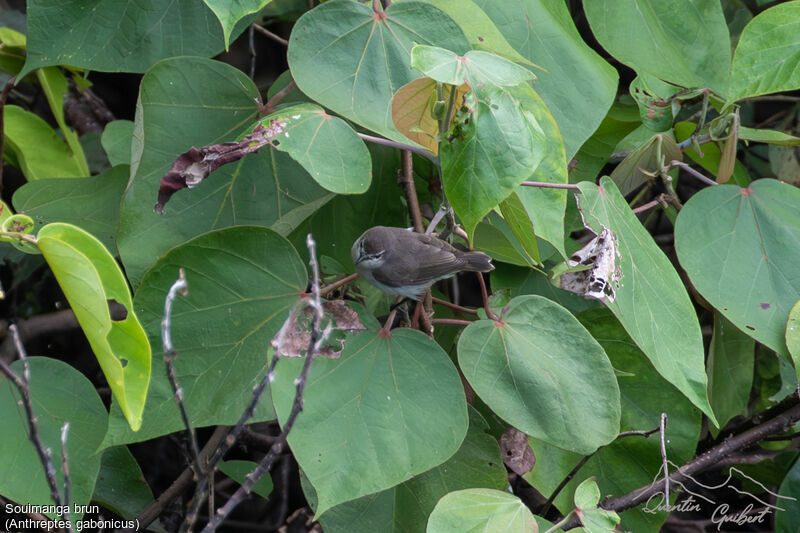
(123, 362)
(116, 310)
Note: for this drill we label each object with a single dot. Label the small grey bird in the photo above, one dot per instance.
(399, 261)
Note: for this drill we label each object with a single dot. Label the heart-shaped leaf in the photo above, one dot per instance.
(189, 102)
(362, 55)
(766, 54)
(543, 32)
(627, 463)
(651, 301)
(406, 507)
(73, 32)
(737, 245)
(542, 372)
(679, 41)
(481, 510)
(494, 145)
(230, 13)
(474, 67)
(326, 146)
(242, 283)
(388, 409)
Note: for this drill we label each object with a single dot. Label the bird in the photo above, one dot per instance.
(404, 263)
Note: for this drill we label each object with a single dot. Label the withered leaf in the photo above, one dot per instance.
(295, 335)
(194, 165)
(517, 454)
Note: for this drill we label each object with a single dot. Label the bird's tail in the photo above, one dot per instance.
(477, 262)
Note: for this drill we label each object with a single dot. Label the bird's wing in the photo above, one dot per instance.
(441, 260)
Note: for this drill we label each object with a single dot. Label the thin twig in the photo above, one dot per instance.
(274, 36)
(665, 462)
(251, 47)
(639, 433)
(406, 179)
(564, 482)
(3, 99)
(179, 486)
(400, 146)
(336, 284)
(455, 307)
(548, 185)
(710, 458)
(645, 207)
(65, 468)
(317, 338)
(170, 354)
(451, 322)
(692, 172)
(269, 107)
(489, 312)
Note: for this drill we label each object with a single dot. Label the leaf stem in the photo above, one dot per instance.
(547, 185)
(427, 154)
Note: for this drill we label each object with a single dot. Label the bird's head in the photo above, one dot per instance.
(368, 251)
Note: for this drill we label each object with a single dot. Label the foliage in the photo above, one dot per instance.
(684, 299)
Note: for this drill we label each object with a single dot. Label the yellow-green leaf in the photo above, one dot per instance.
(91, 279)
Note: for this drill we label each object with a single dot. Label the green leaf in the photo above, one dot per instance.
(679, 41)
(637, 168)
(543, 32)
(242, 283)
(767, 53)
(541, 371)
(90, 203)
(520, 223)
(474, 67)
(651, 301)
(406, 507)
(627, 463)
(121, 486)
(116, 139)
(545, 206)
(387, 410)
(238, 471)
(737, 246)
(793, 332)
(91, 279)
(230, 13)
(352, 60)
(593, 518)
(479, 28)
(326, 146)
(731, 360)
(481, 510)
(786, 522)
(494, 146)
(59, 394)
(767, 136)
(596, 151)
(54, 85)
(197, 102)
(112, 36)
(39, 151)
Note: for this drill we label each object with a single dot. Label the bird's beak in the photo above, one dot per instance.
(360, 259)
